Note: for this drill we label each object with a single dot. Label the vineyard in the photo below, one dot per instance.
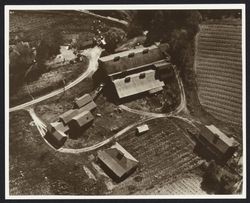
(164, 154)
(218, 66)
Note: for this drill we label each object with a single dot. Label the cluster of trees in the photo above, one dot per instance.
(27, 62)
(113, 37)
(218, 180)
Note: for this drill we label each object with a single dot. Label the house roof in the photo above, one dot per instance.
(136, 83)
(132, 58)
(83, 100)
(88, 107)
(230, 141)
(59, 135)
(57, 126)
(67, 116)
(223, 142)
(82, 118)
(118, 160)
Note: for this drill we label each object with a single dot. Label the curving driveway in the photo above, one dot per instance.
(92, 54)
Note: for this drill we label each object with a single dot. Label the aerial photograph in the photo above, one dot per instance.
(125, 102)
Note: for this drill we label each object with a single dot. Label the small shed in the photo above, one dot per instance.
(81, 120)
(142, 129)
(83, 100)
(56, 138)
(117, 162)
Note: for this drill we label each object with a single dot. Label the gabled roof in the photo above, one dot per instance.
(136, 83)
(57, 126)
(132, 58)
(82, 119)
(217, 138)
(67, 116)
(118, 160)
(83, 100)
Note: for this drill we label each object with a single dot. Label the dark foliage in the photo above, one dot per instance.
(218, 180)
(113, 37)
(49, 46)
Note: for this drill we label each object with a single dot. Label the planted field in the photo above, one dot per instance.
(218, 65)
(164, 155)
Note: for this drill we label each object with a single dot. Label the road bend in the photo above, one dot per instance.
(92, 54)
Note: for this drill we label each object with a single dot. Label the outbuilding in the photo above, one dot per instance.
(67, 116)
(56, 138)
(83, 100)
(80, 120)
(142, 129)
(218, 143)
(117, 162)
(57, 126)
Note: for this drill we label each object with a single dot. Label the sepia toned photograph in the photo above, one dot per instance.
(125, 101)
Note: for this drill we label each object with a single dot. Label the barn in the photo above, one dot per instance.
(218, 143)
(68, 115)
(117, 162)
(136, 83)
(80, 120)
(83, 100)
(135, 71)
(56, 138)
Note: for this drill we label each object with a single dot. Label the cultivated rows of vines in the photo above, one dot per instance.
(219, 70)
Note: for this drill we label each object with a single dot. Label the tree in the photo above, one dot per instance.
(113, 37)
(49, 46)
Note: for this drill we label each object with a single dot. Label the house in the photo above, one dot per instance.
(66, 117)
(219, 144)
(57, 126)
(117, 162)
(83, 100)
(56, 138)
(81, 119)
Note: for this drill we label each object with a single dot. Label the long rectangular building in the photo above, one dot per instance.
(132, 58)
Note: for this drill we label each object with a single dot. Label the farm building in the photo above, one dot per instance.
(56, 138)
(131, 73)
(57, 126)
(83, 100)
(132, 58)
(142, 129)
(80, 120)
(117, 162)
(127, 60)
(68, 115)
(136, 83)
(217, 142)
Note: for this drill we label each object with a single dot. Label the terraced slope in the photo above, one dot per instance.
(218, 67)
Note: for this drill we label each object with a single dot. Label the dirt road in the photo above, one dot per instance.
(92, 54)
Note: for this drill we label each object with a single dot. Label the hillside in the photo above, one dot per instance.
(218, 67)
